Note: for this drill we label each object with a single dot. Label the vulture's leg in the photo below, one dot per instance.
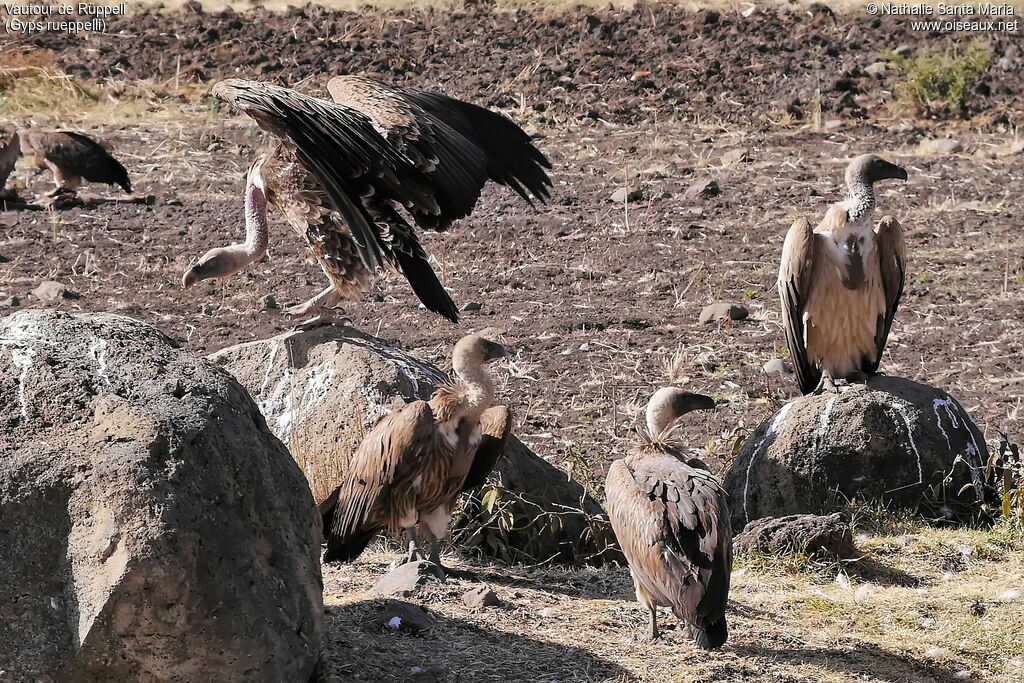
(827, 383)
(443, 571)
(322, 308)
(436, 522)
(414, 549)
(652, 623)
(64, 183)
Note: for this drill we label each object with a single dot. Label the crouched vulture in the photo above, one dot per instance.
(73, 157)
(671, 519)
(412, 465)
(354, 176)
(840, 284)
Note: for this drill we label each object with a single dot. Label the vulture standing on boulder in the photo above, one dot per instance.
(73, 157)
(412, 466)
(840, 284)
(10, 147)
(354, 175)
(671, 518)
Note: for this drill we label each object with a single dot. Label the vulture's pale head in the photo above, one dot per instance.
(473, 351)
(669, 404)
(870, 168)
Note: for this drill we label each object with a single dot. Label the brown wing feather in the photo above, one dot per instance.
(671, 521)
(80, 155)
(496, 424)
(892, 253)
(795, 278)
(378, 488)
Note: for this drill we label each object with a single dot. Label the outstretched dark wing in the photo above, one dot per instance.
(378, 145)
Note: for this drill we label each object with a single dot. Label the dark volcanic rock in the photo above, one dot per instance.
(151, 526)
(893, 440)
(809, 534)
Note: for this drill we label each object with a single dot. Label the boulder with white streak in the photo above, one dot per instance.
(891, 440)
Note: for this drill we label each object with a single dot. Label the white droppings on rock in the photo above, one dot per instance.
(22, 359)
(779, 416)
(959, 419)
(903, 409)
(98, 351)
(316, 383)
(395, 622)
(275, 345)
(823, 422)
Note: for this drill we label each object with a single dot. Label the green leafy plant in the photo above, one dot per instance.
(941, 78)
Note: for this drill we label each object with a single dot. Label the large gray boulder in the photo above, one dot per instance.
(321, 391)
(892, 440)
(151, 526)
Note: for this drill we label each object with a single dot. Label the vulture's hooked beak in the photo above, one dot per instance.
(886, 169)
(698, 402)
(493, 351)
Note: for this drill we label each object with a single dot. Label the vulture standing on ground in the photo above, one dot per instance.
(10, 146)
(73, 157)
(840, 284)
(672, 521)
(412, 466)
(353, 176)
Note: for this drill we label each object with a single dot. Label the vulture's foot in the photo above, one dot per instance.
(62, 190)
(826, 384)
(330, 316)
(318, 304)
(444, 572)
(857, 377)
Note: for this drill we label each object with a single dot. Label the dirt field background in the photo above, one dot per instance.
(598, 300)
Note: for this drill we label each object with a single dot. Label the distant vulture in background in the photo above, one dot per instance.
(73, 157)
(10, 147)
(841, 283)
(353, 176)
(671, 518)
(412, 465)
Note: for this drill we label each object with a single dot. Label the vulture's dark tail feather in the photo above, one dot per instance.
(424, 282)
(512, 159)
(712, 637)
(348, 548)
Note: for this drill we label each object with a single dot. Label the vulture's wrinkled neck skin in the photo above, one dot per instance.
(861, 176)
(225, 261)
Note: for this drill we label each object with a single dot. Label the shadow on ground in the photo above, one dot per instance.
(358, 647)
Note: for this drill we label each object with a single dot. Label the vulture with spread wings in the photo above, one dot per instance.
(355, 177)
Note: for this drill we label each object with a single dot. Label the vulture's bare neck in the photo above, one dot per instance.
(478, 389)
(256, 231)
